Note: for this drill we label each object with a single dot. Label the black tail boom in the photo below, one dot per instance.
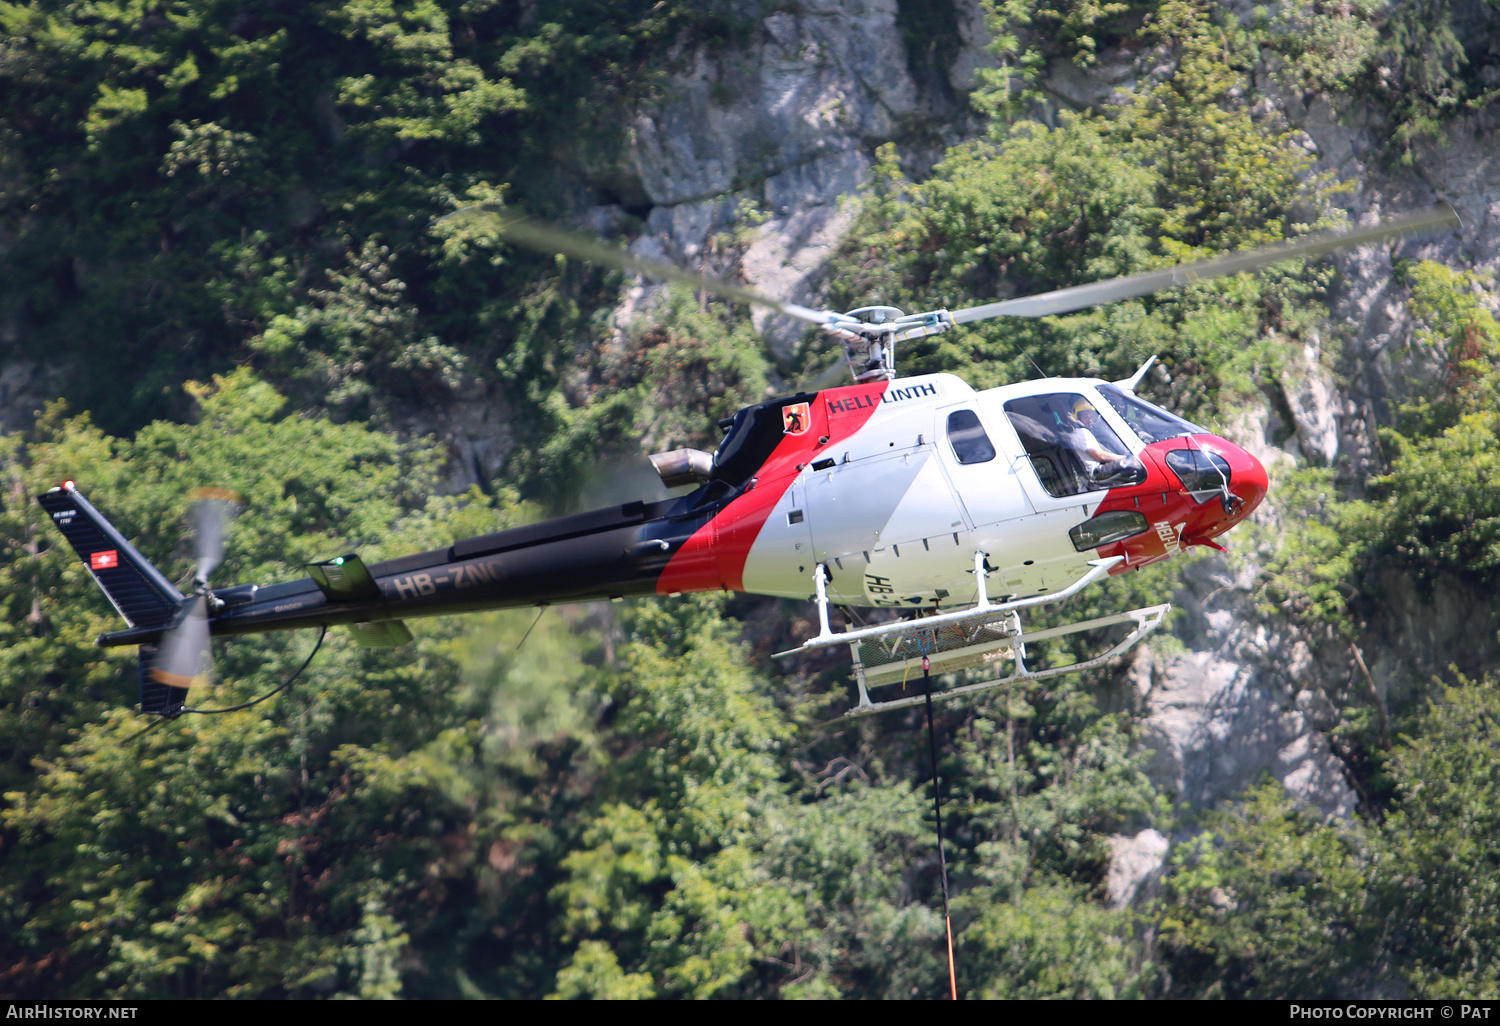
(610, 553)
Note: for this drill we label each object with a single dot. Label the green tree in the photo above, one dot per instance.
(1269, 902)
(224, 854)
(205, 185)
(1439, 879)
(1182, 170)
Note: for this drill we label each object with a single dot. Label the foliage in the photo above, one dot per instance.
(1420, 64)
(1185, 169)
(209, 184)
(1422, 61)
(700, 869)
(239, 854)
(1327, 47)
(1435, 508)
(1269, 902)
(1315, 550)
(1052, 943)
(1029, 33)
(627, 802)
(1440, 880)
(1433, 511)
(663, 383)
(1048, 779)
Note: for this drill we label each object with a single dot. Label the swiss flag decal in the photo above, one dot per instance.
(104, 560)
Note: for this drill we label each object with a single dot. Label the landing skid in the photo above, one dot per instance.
(962, 639)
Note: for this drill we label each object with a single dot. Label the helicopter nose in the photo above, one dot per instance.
(1248, 479)
(1248, 485)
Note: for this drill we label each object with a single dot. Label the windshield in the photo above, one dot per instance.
(1072, 450)
(1151, 423)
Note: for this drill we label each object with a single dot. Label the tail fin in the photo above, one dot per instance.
(137, 589)
(157, 698)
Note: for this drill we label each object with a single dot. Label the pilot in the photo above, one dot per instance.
(1078, 435)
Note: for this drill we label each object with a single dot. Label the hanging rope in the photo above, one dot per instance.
(322, 633)
(937, 808)
(538, 620)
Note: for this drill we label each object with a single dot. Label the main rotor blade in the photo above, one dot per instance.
(184, 658)
(827, 377)
(1079, 296)
(212, 511)
(545, 239)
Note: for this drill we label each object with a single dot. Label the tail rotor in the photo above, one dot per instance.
(184, 659)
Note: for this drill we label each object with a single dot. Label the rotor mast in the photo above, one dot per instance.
(869, 336)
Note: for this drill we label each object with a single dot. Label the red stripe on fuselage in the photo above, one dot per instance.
(714, 557)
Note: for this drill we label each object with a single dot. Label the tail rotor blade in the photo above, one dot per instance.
(213, 509)
(184, 659)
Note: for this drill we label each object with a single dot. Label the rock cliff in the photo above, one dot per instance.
(788, 126)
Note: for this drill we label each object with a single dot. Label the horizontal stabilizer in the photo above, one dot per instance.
(345, 579)
(380, 634)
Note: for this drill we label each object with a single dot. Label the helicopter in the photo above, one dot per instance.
(956, 509)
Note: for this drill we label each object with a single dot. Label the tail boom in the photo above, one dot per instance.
(610, 553)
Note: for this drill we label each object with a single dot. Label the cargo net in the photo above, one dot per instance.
(981, 640)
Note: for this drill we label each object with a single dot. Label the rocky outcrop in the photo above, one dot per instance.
(830, 77)
(25, 387)
(789, 125)
(1135, 866)
(1245, 700)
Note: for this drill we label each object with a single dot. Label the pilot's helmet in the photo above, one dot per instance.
(1082, 406)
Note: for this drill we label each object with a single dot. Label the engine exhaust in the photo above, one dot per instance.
(682, 466)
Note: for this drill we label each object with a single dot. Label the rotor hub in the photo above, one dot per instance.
(870, 334)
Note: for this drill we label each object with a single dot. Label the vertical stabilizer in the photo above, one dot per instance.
(137, 589)
(157, 698)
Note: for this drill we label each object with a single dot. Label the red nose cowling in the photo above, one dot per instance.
(1179, 518)
(1247, 482)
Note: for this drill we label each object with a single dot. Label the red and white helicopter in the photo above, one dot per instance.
(961, 508)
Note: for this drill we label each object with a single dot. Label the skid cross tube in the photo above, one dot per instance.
(1146, 620)
(827, 638)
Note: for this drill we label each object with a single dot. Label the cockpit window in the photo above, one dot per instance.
(1071, 447)
(966, 435)
(1151, 423)
(1199, 471)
